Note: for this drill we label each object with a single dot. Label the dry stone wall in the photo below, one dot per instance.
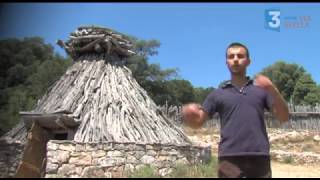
(10, 156)
(110, 159)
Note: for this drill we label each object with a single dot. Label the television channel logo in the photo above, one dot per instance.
(272, 19)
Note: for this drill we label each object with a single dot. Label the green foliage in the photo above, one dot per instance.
(27, 68)
(208, 169)
(162, 85)
(294, 83)
(145, 48)
(144, 172)
(181, 92)
(306, 91)
(284, 76)
(141, 69)
(288, 160)
(201, 93)
(157, 82)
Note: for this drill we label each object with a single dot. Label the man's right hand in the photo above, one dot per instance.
(192, 115)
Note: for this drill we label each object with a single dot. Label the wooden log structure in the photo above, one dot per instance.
(109, 104)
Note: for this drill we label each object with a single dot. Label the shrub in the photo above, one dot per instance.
(208, 169)
(288, 160)
(146, 171)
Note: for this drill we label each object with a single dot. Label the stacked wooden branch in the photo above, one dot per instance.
(94, 39)
(17, 134)
(49, 121)
(109, 104)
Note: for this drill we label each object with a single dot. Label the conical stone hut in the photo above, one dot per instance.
(96, 120)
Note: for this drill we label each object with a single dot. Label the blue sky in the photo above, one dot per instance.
(193, 36)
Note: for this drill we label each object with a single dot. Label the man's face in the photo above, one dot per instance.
(237, 60)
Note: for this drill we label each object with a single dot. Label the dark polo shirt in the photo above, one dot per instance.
(241, 111)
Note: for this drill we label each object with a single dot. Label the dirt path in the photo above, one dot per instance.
(282, 170)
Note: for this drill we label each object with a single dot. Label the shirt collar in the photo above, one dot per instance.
(228, 83)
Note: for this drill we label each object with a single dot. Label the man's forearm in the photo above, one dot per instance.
(279, 106)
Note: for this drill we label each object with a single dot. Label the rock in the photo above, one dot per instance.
(149, 147)
(163, 153)
(163, 158)
(99, 153)
(66, 169)
(67, 147)
(93, 172)
(107, 147)
(91, 147)
(151, 153)
(51, 176)
(147, 159)
(295, 137)
(119, 146)
(165, 171)
(75, 153)
(79, 148)
(105, 162)
(114, 154)
(51, 168)
(182, 161)
(120, 161)
(52, 146)
(81, 160)
(129, 168)
(63, 157)
(75, 176)
(52, 154)
(139, 154)
(108, 175)
(78, 170)
(140, 166)
(316, 138)
(132, 160)
(173, 152)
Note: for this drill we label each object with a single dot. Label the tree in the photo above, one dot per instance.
(284, 76)
(181, 91)
(306, 91)
(313, 97)
(201, 93)
(27, 68)
(150, 76)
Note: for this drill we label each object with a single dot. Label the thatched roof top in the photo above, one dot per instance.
(95, 39)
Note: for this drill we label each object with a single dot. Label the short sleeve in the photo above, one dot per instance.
(210, 103)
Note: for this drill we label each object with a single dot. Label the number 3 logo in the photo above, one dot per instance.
(272, 18)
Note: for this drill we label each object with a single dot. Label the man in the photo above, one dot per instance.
(240, 102)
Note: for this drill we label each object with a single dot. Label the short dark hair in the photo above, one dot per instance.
(237, 44)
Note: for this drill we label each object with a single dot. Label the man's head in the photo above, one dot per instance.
(238, 59)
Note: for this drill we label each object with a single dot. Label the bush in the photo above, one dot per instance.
(289, 160)
(146, 171)
(208, 169)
